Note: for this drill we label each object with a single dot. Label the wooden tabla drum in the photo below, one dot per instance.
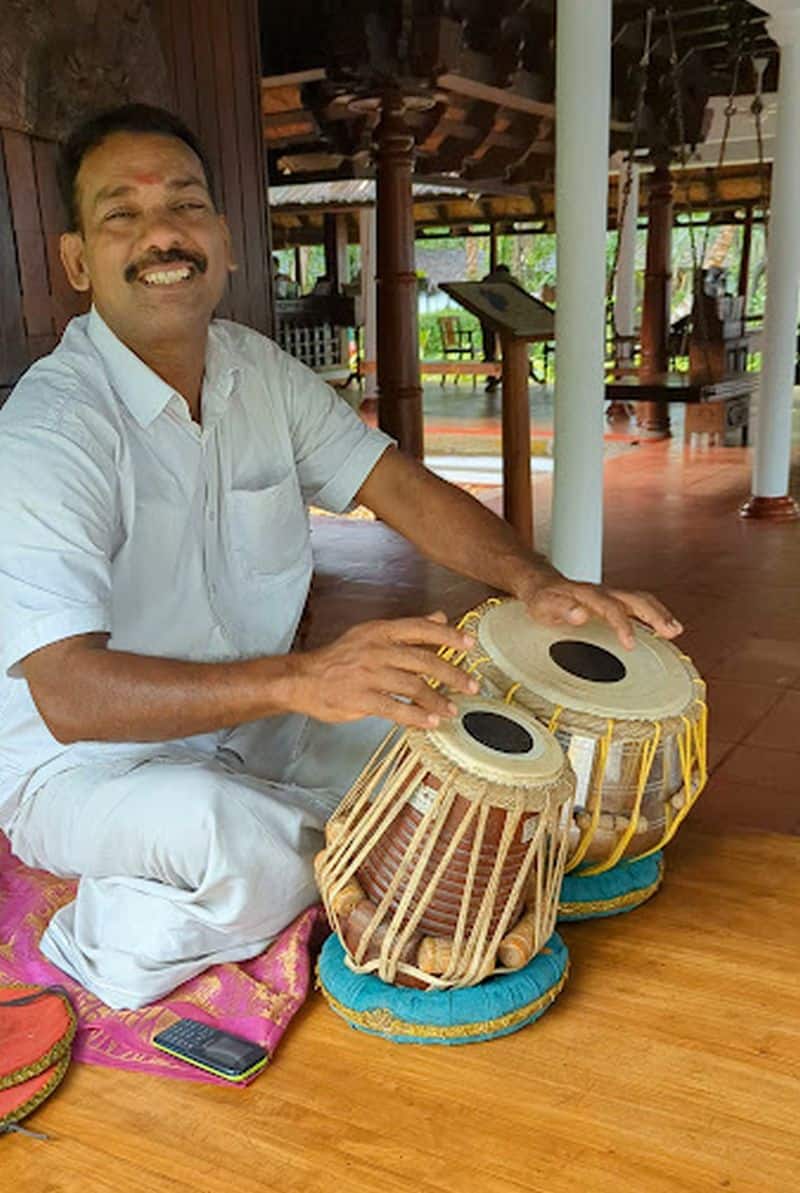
(633, 723)
(443, 863)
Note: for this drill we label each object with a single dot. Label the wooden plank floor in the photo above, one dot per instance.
(670, 1064)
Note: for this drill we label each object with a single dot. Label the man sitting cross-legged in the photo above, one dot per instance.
(157, 739)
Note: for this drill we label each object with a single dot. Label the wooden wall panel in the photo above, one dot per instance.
(211, 55)
(212, 51)
(31, 256)
(37, 301)
(246, 46)
(13, 349)
(66, 302)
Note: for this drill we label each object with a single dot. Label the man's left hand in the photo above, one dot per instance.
(558, 601)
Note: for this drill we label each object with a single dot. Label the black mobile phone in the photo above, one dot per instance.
(216, 1051)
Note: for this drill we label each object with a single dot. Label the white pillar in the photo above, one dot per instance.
(583, 84)
(774, 436)
(369, 301)
(625, 296)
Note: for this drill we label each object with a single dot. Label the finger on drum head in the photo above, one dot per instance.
(650, 610)
(612, 611)
(408, 715)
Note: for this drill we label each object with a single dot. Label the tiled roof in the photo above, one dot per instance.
(359, 192)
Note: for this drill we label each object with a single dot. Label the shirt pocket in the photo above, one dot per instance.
(268, 528)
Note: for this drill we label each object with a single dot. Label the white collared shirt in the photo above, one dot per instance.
(120, 515)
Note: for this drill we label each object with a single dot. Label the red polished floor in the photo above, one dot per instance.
(671, 527)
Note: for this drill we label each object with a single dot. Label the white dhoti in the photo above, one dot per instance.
(189, 856)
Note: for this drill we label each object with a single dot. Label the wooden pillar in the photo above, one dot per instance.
(654, 416)
(330, 247)
(298, 267)
(492, 248)
(517, 489)
(744, 263)
(399, 387)
(368, 300)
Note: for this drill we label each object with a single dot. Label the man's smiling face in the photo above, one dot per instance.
(151, 247)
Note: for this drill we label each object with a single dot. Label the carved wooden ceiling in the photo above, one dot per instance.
(479, 82)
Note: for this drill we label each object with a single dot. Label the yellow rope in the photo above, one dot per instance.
(645, 767)
(552, 724)
(693, 752)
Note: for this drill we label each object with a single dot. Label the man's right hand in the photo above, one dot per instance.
(366, 670)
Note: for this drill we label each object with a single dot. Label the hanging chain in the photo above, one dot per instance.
(682, 154)
(644, 66)
(730, 112)
(684, 160)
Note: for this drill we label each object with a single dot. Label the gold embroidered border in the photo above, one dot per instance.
(50, 1057)
(385, 1022)
(624, 902)
(36, 1100)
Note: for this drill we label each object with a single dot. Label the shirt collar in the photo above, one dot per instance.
(143, 391)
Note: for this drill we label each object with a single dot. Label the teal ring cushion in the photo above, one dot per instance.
(411, 1016)
(626, 878)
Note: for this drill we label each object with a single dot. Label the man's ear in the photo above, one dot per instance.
(226, 234)
(73, 258)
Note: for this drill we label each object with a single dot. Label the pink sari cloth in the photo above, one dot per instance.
(256, 999)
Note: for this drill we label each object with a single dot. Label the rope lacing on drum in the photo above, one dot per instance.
(645, 767)
(692, 750)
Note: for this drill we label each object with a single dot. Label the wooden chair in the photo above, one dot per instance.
(457, 341)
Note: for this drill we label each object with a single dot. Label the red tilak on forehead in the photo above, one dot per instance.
(146, 179)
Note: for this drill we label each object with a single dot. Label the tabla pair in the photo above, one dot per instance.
(551, 795)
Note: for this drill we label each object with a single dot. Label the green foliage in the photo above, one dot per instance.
(532, 260)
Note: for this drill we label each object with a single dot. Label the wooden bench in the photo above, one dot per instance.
(715, 409)
(466, 368)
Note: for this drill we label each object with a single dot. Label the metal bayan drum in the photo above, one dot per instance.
(444, 862)
(633, 723)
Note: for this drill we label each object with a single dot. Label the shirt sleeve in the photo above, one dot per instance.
(57, 516)
(334, 450)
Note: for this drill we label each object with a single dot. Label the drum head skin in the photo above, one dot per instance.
(622, 888)
(585, 669)
(498, 743)
(497, 1007)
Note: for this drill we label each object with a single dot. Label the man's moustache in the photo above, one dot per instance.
(168, 257)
